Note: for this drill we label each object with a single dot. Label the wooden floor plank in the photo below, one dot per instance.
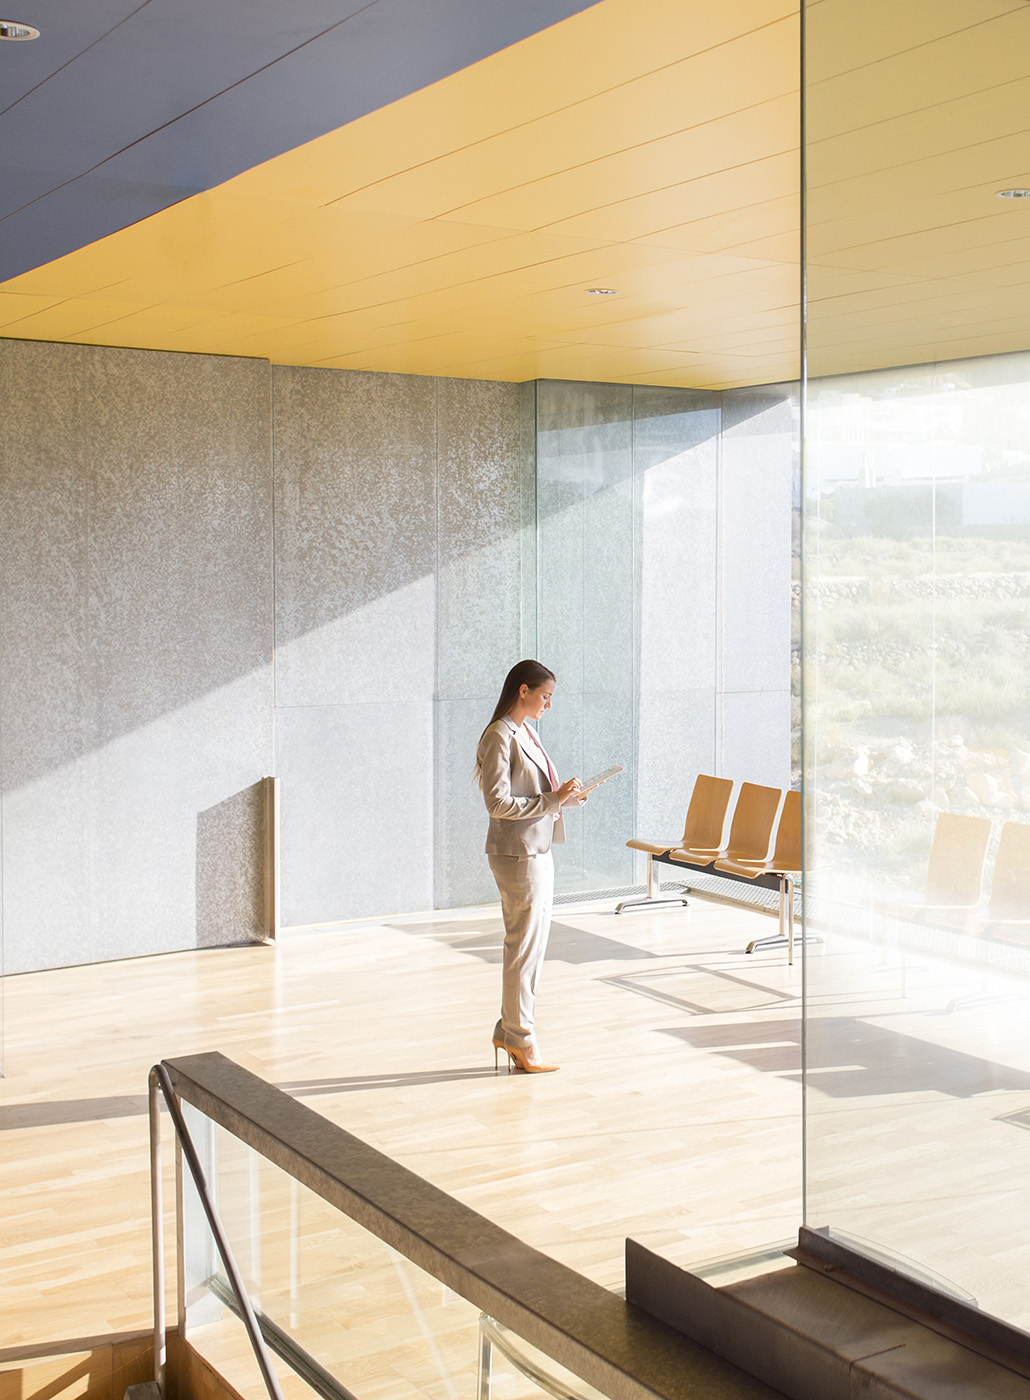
(676, 1116)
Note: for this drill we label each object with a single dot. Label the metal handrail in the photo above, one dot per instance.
(301, 1362)
(160, 1081)
(617, 1348)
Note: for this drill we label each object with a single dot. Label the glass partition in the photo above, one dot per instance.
(655, 510)
(345, 1301)
(345, 1316)
(916, 640)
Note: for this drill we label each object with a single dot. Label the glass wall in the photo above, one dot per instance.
(916, 642)
(663, 600)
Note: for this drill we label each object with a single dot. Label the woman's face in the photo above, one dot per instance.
(538, 701)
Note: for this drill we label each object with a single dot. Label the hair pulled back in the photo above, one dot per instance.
(530, 673)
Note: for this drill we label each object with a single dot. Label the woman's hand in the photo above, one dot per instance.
(567, 791)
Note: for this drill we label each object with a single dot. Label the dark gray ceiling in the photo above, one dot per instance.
(122, 108)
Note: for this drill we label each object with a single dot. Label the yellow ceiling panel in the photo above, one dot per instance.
(67, 318)
(149, 328)
(92, 269)
(645, 145)
(331, 250)
(727, 190)
(936, 252)
(604, 47)
(677, 329)
(736, 140)
(922, 340)
(913, 137)
(212, 331)
(663, 284)
(882, 28)
(974, 60)
(347, 275)
(439, 275)
(632, 268)
(825, 283)
(1007, 274)
(912, 194)
(917, 298)
(982, 234)
(935, 303)
(655, 122)
(15, 306)
(600, 363)
(757, 67)
(732, 231)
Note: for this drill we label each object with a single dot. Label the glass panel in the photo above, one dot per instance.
(656, 508)
(373, 1321)
(915, 643)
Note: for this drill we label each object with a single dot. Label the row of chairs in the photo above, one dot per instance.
(955, 875)
(743, 855)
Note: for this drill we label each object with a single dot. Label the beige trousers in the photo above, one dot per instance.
(526, 885)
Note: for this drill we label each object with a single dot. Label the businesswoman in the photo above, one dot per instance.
(525, 800)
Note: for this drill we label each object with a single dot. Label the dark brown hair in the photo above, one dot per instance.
(531, 673)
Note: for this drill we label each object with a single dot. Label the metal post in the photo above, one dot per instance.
(254, 1222)
(157, 1234)
(189, 1154)
(486, 1362)
(294, 1248)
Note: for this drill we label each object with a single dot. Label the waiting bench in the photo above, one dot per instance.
(743, 856)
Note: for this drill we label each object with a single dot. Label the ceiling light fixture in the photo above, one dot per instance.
(602, 291)
(1013, 194)
(11, 29)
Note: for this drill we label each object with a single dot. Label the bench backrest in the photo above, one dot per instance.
(753, 817)
(787, 851)
(954, 875)
(705, 826)
(1010, 888)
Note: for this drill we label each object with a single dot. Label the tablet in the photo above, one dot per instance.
(598, 778)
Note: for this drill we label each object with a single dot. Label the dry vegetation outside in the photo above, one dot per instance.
(918, 663)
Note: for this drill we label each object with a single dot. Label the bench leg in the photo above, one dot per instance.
(785, 938)
(654, 892)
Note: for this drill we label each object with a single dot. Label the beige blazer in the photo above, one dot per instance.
(518, 794)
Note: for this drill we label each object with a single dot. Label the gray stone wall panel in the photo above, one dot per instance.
(357, 809)
(137, 616)
(355, 473)
(462, 873)
(479, 586)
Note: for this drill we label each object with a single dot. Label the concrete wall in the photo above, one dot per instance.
(398, 612)
(136, 647)
(212, 569)
(191, 598)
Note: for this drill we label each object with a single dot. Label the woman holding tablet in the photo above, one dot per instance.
(525, 800)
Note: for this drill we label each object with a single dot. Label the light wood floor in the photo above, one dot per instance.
(385, 1028)
(676, 1117)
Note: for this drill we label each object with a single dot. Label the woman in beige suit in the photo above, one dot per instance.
(524, 799)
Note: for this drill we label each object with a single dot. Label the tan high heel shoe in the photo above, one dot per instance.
(525, 1059)
(498, 1042)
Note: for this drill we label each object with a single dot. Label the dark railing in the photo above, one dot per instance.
(241, 1305)
(617, 1348)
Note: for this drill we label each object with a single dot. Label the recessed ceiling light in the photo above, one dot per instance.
(1013, 194)
(602, 291)
(11, 29)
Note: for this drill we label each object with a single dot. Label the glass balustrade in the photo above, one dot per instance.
(345, 1316)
